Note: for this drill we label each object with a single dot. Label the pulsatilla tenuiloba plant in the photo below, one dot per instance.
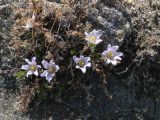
(60, 44)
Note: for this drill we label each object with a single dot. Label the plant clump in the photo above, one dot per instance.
(58, 32)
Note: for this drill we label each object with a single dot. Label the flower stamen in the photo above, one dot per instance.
(92, 38)
(51, 70)
(109, 55)
(81, 63)
(33, 67)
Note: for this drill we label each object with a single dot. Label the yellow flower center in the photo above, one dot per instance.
(81, 63)
(51, 69)
(109, 55)
(92, 38)
(33, 67)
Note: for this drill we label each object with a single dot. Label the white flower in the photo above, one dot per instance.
(82, 62)
(111, 55)
(51, 69)
(93, 37)
(30, 22)
(32, 67)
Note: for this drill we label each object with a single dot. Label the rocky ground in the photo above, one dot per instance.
(133, 88)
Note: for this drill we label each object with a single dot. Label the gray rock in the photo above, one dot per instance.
(2, 79)
(114, 22)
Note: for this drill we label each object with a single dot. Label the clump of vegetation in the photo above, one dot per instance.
(61, 34)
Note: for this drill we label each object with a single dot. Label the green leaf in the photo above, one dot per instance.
(73, 51)
(92, 45)
(20, 75)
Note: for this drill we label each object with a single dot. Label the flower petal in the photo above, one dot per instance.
(108, 61)
(78, 67)
(119, 54)
(57, 68)
(49, 77)
(75, 59)
(25, 67)
(44, 74)
(92, 33)
(117, 58)
(38, 66)
(104, 53)
(114, 62)
(99, 34)
(82, 57)
(29, 73)
(86, 34)
(36, 72)
(83, 70)
(98, 41)
(87, 59)
(45, 64)
(88, 64)
(34, 60)
(116, 47)
(109, 46)
(28, 61)
(51, 63)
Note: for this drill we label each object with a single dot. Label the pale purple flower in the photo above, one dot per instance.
(51, 69)
(111, 55)
(31, 67)
(82, 62)
(93, 37)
